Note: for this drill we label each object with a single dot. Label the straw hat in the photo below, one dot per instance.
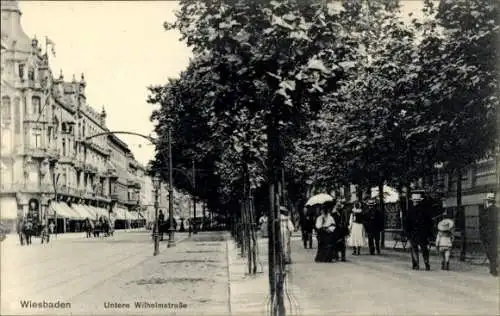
(283, 209)
(446, 225)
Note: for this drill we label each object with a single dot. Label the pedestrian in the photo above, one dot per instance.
(374, 225)
(287, 229)
(161, 224)
(418, 228)
(356, 237)
(325, 226)
(52, 226)
(263, 225)
(307, 226)
(488, 229)
(341, 231)
(444, 241)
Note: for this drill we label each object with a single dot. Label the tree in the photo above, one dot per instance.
(460, 69)
(268, 59)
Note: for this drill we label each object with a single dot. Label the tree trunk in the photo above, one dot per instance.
(382, 210)
(273, 169)
(461, 212)
(254, 248)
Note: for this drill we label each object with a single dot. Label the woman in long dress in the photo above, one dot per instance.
(287, 229)
(325, 226)
(356, 230)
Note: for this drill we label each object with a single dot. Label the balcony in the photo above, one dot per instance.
(26, 188)
(115, 196)
(88, 168)
(53, 154)
(36, 152)
(97, 147)
(78, 163)
(133, 183)
(67, 160)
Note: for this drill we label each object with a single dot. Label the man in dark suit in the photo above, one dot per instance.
(307, 225)
(341, 230)
(488, 229)
(374, 225)
(418, 228)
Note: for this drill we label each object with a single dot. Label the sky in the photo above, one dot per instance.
(122, 48)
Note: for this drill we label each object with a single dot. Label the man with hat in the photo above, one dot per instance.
(418, 229)
(374, 225)
(488, 230)
(341, 230)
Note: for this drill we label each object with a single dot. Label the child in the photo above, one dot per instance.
(444, 242)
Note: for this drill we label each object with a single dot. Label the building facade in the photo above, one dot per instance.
(57, 162)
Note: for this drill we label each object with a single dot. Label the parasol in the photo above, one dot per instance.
(319, 199)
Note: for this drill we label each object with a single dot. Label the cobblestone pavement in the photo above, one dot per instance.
(93, 274)
(367, 285)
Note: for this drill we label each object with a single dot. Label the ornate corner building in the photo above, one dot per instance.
(50, 167)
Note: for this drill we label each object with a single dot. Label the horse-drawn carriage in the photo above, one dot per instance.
(97, 227)
(30, 227)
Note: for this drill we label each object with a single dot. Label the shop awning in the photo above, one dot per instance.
(101, 211)
(80, 210)
(133, 216)
(62, 210)
(92, 212)
(120, 213)
(8, 208)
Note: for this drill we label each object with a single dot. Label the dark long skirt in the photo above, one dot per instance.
(325, 251)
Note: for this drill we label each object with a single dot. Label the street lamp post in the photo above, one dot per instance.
(195, 229)
(156, 185)
(171, 230)
(137, 193)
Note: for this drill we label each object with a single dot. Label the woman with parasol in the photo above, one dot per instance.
(325, 226)
(444, 241)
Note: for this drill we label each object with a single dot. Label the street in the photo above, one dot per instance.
(97, 275)
(111, 275)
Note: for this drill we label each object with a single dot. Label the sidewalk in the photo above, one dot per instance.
(249, 294)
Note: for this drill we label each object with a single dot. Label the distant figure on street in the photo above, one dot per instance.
(307, 226)
(325, 226)
(444, 241)
(263, 225)
(418, 228)
(374, 225)
(356, 237)
(340, 232)
(52, 226)
(161, 224)
(287, 229)
(488, 229)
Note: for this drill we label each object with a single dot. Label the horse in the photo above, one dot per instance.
(97, 228)
(25, 231)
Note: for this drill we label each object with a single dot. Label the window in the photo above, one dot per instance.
(31, 74)
(64, 147)
(6, 116)
(37, 137)
(49, 134)
(21, 71)
(17, 115)
(35, 103)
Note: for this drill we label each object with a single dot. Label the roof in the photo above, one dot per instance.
(119, 142)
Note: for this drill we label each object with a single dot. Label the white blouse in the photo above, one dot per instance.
(324, 221)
